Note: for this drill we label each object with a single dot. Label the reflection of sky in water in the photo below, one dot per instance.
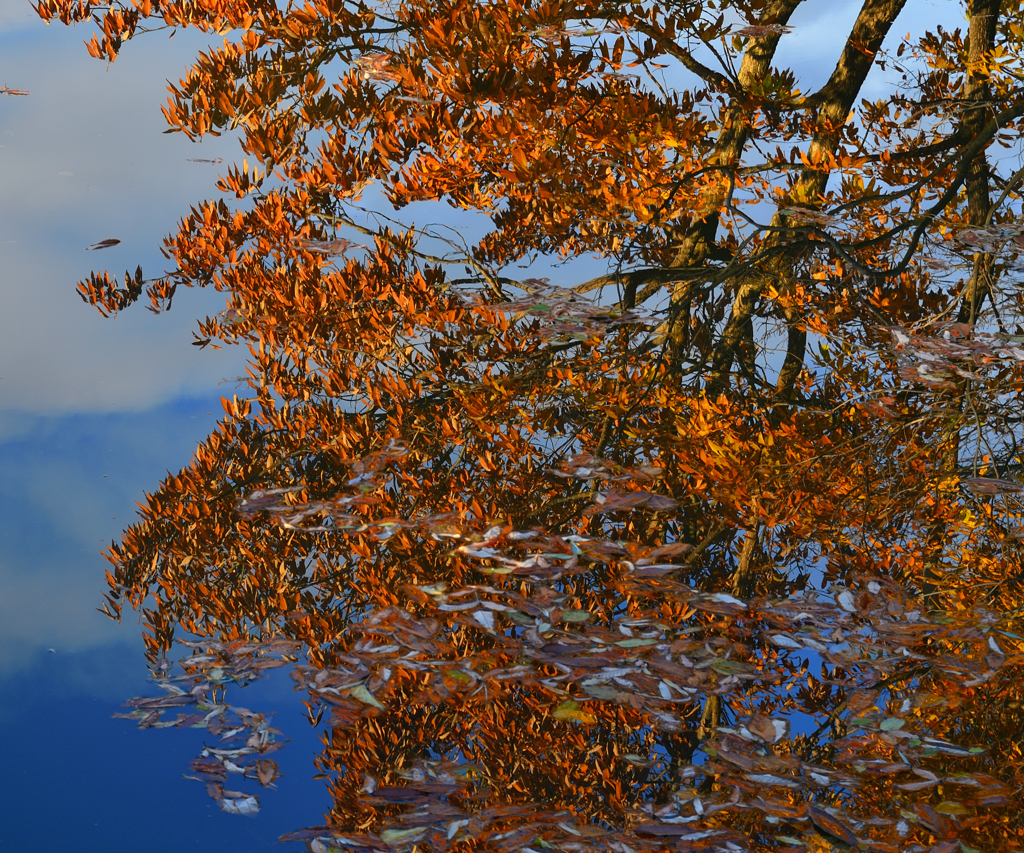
(93, 411)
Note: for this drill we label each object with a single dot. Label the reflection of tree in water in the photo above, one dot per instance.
(730, 561)
(541, 643)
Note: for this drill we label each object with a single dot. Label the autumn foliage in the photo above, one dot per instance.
(717, 551)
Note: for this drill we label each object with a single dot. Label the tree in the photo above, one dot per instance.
(468, 499)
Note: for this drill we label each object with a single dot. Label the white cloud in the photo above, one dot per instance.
(83, 158)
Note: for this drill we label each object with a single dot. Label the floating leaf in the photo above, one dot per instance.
(992, 486)
(953, 809)
(757, 31)
(243, 805)
(772, 780)
(831, 825)
(395, 837)
(768, 729)
(723, 598)
(572, 712)
(266, 771)
(485, 618)
(603, 691)
(363, 695)
(103, 244)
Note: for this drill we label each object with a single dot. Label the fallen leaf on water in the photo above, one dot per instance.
(768, 729)
(454, 827)
(243, 805)
(768, 779)
(4, 90)
(575, 616)
(571, 711)
(756, 31)
(363, 695)
(201, 160)
(329, 247)
(993, 486)
(918, 786)
(950, 808)
(103, 244)
(670, 830)
(266, 771)
(485, 618)
(401, 836)
(832, 826)
(603, 691)
(398, 795)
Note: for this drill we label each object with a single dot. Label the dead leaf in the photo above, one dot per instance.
(394, 837)
(993, 486)
(571, 711)
(102, 244)
(767, 729)
(363, 695)
(832, 826)
(266, 771)
(485, 618)
(756, 31)
(244, 805)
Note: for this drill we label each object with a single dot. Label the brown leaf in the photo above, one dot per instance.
(663, 829)
(931, 819)
(670, 550)
(734, 758)
(661, 503)
(767, 729)
(103, 244)
(329, 247)
(993, 486)
(756, 31)
(832, 826)
(399, 795)
(266, 771)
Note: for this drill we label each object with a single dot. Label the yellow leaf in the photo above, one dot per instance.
(571, 711)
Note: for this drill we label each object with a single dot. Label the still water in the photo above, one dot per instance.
(92, 414)
(501, 633)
